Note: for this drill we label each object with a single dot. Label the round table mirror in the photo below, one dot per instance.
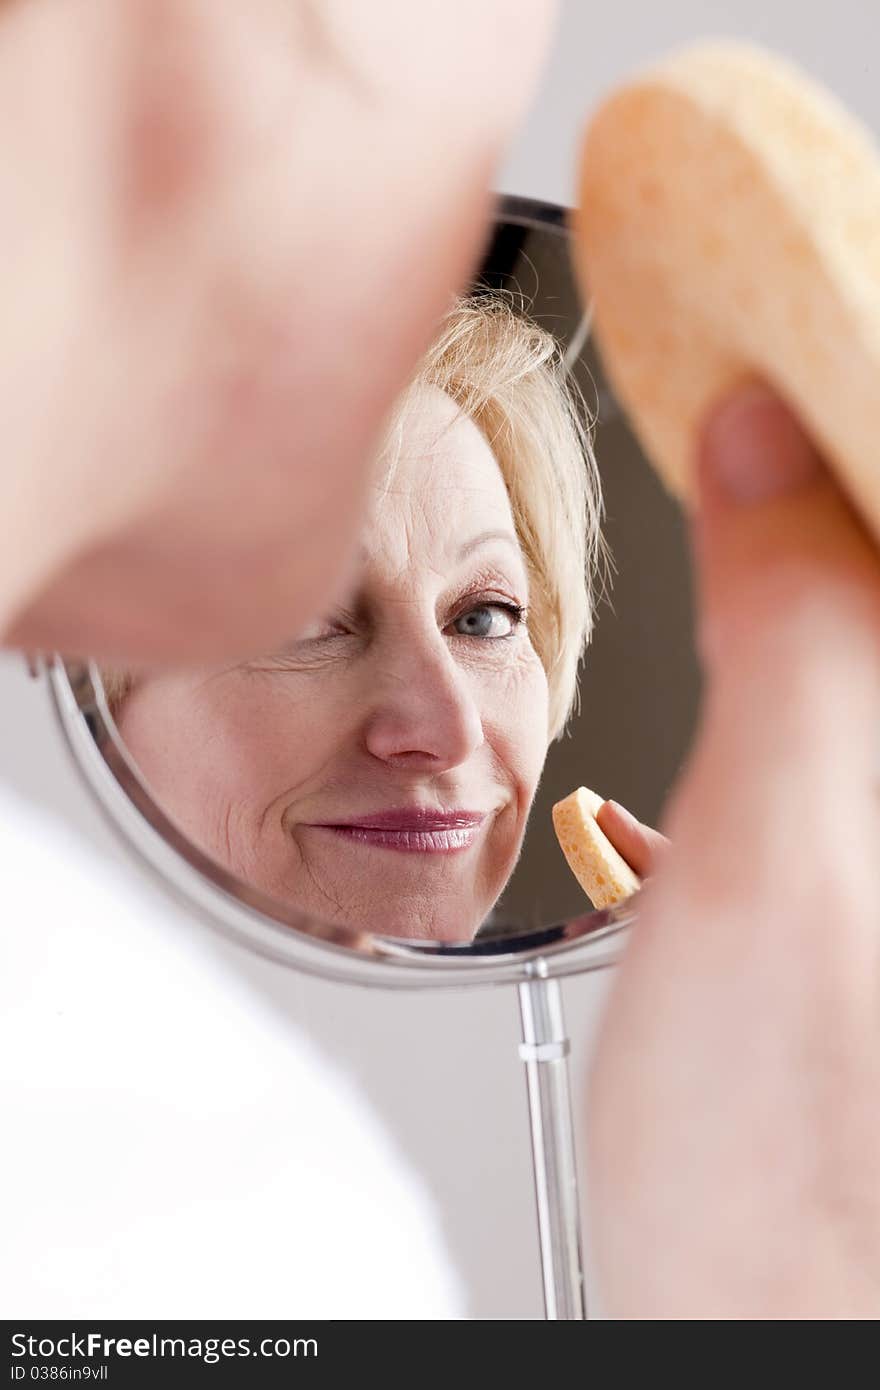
(372, 801)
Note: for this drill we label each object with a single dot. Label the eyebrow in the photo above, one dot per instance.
(483, 538)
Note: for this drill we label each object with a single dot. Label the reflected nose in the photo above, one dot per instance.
(424, 715)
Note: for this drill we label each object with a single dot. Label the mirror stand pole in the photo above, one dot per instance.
(544, 1050)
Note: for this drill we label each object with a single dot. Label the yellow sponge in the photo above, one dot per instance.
(604, 875)
(729, 227)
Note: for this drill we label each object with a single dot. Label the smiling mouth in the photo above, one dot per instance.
(412, 831)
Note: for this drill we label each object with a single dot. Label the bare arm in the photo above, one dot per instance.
(734, 1126)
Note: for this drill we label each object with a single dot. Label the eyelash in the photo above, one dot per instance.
(515, 611)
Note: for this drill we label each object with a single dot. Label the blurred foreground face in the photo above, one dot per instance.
(208, 210)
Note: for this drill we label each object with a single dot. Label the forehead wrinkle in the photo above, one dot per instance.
(425, 533)
(445, 487)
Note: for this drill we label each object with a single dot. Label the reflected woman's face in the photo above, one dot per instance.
(378, 771)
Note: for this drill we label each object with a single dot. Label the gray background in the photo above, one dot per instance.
(443, 1070)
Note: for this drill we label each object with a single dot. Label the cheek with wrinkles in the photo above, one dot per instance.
(516, 685)
(245, 742)
(515, 707)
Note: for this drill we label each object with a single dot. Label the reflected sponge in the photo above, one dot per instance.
(604, 875)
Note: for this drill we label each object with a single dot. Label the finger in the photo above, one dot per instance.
(790, 593)
(271, 253)
(640, 846)
(775, 824)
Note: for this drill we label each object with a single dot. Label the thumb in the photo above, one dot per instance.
(790, 590)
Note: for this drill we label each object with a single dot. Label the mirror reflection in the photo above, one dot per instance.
(393, 766)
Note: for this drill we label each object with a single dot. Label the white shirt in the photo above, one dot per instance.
(171, 1150)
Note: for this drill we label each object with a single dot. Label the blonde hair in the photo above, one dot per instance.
(117, 686)
(508, 375)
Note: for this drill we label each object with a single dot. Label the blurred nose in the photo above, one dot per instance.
(423, 715)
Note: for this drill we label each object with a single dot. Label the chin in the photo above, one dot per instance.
(422, 921)
(415, 897)
(453, 916)
(459, 933)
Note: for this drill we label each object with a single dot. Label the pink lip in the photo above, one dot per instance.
(414, 830)
(410, 818)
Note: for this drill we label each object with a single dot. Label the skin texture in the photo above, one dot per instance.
(219, 218)
(388, 702)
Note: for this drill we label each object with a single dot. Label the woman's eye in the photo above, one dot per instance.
(489, 620)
